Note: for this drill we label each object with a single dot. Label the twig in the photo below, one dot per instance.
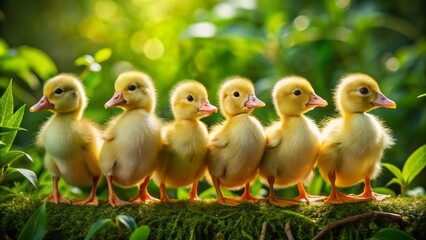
(263, 232)
(288, 232)
(355, 218)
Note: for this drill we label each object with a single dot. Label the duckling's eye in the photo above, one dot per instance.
(190, 98)
(363, 91)
(236, 94)
(297, 92)
(58, 91)
(132, 87)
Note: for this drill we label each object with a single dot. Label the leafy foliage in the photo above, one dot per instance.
(391, 234)
(9, 125)
(415, 163)
(35, 228)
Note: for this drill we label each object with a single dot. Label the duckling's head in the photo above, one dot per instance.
(63, 93)
(237, 96)
(189, 100)
(295, 96)
(133, 90)
(358, 93)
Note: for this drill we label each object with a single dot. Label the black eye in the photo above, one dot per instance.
(58, 91)
(132, 87)
(190, 98)
(236, 94)
(363, 90)
(297, 92)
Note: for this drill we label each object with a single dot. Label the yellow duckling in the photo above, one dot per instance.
(353, 144)
(292, 144)
(72, 143)
(236, 146)
(182, 160)
(132, 139)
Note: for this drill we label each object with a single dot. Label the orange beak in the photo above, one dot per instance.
(383, 101)
(316, 101)
(116, 100)
(42, 104)
(207, 108)
(253, 102)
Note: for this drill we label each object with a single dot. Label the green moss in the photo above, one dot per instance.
(209, 220)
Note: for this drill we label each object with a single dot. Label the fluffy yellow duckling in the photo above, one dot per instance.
(236, 146)
(72, 143)
(292, 144)
(353, 144)
(132, 139)
(183, 156)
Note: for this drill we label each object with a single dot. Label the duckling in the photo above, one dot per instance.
(236, 145)
(132, 139)
(292, 144)
(72, 143)
(353, 143)
(182, 160)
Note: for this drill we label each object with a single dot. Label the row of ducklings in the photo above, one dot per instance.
(135, 145)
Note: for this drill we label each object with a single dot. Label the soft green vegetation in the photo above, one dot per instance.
(412, 167)
(35, 228)
(207, 220)
(391, 233)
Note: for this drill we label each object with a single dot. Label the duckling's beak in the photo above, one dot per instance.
(42, 104)
(116, 100)
(253, 102)
(383, 101)
(207, 108)
(316, 101)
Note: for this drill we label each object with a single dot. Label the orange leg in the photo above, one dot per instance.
(336, 197)
(220, 198)
(143, 195)
(278, 201)
(193, 195)
(91, 199)
(246, 196)
(163, 193)
(56, 196)
(369, 194)
(306, 197)
(112, 198)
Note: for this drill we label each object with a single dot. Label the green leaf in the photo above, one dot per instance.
(395, 170)
(414, 164)
(182, 193)
(4, 129)
(3, 47)
(30, 175)
(6, 104)
(423, 95)
(13, 121)
(35, 228)
(10, 157)
(141, 233)
(95, 228)
(38, 61)
(395, 180)
(391, 234)
(85, 60)
(103, 55)
(128, 221)
(384, 190)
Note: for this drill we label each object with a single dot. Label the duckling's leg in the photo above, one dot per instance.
(246, 196)
(56, 196)
(220, 198)
(91, 199)
(369, 194)
(306, 197)
(193, 195)
(112, 198)
(277, 201)
(336, 197)
(163, 193)
(143, 195)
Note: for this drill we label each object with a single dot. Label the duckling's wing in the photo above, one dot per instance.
(273, 136)
(330, 156)
(91, 145)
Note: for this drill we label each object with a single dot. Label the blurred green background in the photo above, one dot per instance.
(209, 41)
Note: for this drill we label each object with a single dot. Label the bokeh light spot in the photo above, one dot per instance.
(153, 49)
(301, 22)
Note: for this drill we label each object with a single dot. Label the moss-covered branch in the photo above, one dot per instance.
(209, 220)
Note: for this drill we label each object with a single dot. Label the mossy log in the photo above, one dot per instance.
(209, 220)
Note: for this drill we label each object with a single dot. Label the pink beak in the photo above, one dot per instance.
(207, 108)
(42, 104)
(316, 101)
(383, 101)
(253, 102)
(116, 100)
